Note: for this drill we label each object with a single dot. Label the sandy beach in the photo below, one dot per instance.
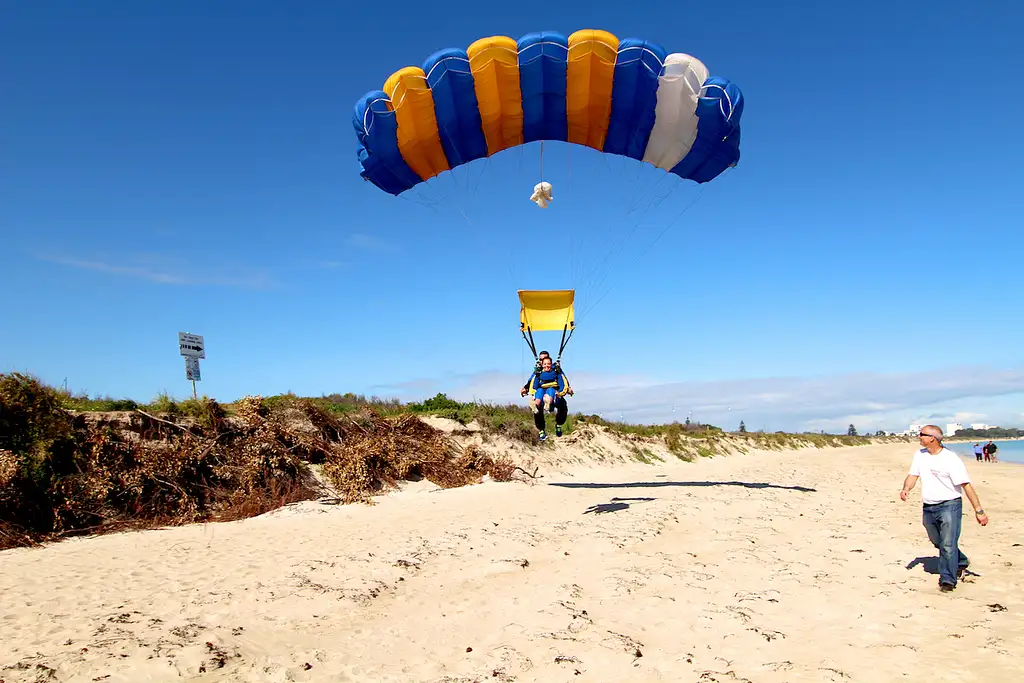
(780, 566)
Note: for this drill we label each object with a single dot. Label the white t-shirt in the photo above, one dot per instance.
(942, 475)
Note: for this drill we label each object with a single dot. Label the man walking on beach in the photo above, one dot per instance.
(943, 479)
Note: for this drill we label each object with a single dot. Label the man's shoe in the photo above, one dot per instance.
(946, 587)
(543, 436)
(558, 430)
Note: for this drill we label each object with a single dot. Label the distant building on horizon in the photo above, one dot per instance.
(950, 430)
(912, 430)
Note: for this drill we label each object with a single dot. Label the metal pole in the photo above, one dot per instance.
(194, 395)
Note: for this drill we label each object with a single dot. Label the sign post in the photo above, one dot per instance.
(192, 373)
(192, 347)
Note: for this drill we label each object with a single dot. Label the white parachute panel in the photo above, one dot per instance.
(675, 114)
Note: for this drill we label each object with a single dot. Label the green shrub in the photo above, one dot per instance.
(38, 435)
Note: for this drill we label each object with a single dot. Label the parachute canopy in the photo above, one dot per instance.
(547, 309)
(626, 97)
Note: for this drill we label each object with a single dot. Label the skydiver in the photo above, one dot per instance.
(537, 368)
(549, 386)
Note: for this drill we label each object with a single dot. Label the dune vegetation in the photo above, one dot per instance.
(74, 464)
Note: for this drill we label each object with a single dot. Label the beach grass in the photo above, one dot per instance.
(72, 464)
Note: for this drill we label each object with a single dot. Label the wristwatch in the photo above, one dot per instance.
(980, 512)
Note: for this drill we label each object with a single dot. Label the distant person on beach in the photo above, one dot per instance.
(978, 451)
(987, 449)
(549, 386)
(943, 479)
(992, 448)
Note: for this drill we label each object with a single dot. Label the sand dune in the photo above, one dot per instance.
(792, 566)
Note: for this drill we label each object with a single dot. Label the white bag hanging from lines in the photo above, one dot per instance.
(542, 194)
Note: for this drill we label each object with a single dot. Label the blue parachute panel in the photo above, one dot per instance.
(717, 146)
(634, 97)
(455, 106)
(543, 60)
(377, 131)
(372, 169)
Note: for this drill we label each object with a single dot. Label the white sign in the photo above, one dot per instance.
(192, 369)
(191, 345)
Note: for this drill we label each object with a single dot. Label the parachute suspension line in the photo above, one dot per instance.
(652, 204)
(440, 197)
(624, 194)
(529, 340)
(458, 204)
(458, 162)
(466, 216)
(542, 190)
(641, 188)
(637, 198)
(513, 265)
(419, 201)
(565, 340)
(573, 274)
(615, 246)
(479, 178)
(651, 245)
(519, 163)
(640, 196)
(680, 215)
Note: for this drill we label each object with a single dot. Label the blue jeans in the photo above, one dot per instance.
(942, 521)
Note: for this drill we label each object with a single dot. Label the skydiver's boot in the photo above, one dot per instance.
(558, 430)
(543, 436)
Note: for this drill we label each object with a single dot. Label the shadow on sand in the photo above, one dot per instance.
(615, 505)
(659, 484)
(931, 565)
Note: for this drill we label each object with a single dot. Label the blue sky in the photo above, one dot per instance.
(190, 166)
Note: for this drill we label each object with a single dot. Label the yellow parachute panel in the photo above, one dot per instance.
(494, 63)
(418, 139)
(550, 309)
(589, 79)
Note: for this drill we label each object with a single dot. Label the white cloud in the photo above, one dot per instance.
(359, 240)
(967, 417)
(868, 400)
(145, 267)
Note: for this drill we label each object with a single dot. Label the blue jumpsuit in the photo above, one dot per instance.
(548, 383)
